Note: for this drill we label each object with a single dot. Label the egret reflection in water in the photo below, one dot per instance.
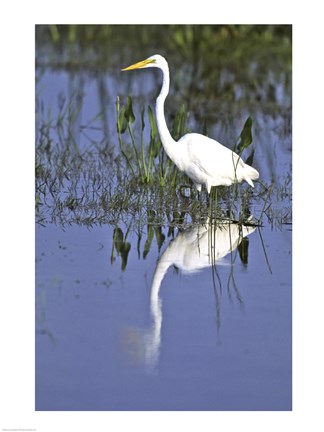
(194, 249)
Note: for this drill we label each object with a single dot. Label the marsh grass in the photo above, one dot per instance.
(92, 188)
(135, 180)
(148, 163)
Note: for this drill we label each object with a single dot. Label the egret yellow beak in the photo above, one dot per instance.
(139, 65)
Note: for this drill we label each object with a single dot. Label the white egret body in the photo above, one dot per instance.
(203, 159)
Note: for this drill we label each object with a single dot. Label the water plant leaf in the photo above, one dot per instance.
(154, 147)
(126, 247)
(118, 239)
(245, 138)
(129, 114)
(154, 129)
(150, 236)
(142, 118)
(160, 237)
(122, 247)
(121, 122)
(180, 123)
(155, 144)
(249, 159)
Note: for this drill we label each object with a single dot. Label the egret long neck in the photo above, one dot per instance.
(168, 142)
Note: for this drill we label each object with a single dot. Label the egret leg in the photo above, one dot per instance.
(208, 199)
(216, 201)
(210, 203)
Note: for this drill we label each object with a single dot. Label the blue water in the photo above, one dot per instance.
(162, 335)
(182, 328)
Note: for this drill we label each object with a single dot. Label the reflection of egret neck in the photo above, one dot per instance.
(192, 250)
(153, 337)
(158, 276)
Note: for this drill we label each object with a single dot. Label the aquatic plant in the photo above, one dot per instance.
(148, 162)
(105, 185)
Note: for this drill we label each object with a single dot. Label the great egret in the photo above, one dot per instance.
(203, 159)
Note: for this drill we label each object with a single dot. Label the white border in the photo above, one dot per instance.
(17, 211)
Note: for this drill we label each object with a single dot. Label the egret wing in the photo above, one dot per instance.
(212, 158)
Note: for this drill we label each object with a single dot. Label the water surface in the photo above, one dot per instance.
(105, 343)
(141, 302)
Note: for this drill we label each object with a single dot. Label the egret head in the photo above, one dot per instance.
(153, 61)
